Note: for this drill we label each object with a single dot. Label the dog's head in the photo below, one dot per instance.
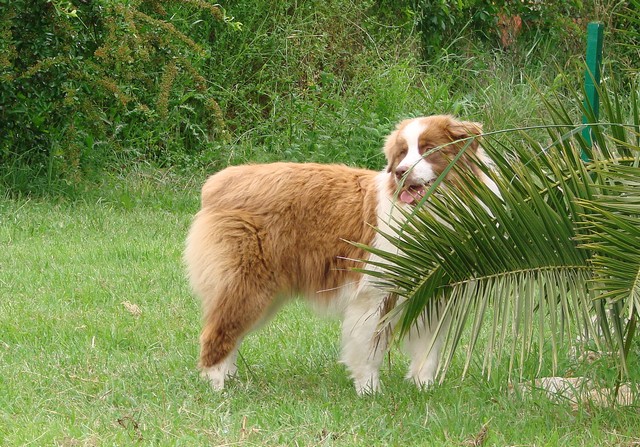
(419, 149)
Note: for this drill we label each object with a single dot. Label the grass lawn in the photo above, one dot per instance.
(99, 342)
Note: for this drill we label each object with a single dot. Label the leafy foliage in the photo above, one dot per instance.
(554, 259)
(108, 83)
(87, 81)
(89, 85)
(441, 22)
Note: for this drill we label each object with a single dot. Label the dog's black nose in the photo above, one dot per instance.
(401, 171)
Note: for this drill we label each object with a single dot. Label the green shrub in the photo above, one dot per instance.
(92, 81)
(442, 22)
(103, 84)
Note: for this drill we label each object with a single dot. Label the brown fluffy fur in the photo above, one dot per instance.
(266, 233)
(277, 230)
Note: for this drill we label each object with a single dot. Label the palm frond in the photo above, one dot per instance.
(522, 272)
(484, 254)
(614, 221)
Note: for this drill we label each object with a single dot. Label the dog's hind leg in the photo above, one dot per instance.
(229, 274)
(240, 306)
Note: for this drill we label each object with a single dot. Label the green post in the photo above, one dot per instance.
(592, 77)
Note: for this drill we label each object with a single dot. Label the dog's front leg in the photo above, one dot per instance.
(362, 350)
(424, 344)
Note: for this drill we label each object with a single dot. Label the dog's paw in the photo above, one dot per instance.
(422, 381)
(366, 387)
(214, 376)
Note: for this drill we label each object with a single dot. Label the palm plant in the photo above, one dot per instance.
(556, 258)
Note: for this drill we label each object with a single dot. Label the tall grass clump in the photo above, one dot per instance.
(312, 81)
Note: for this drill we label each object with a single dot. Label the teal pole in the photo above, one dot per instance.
(592, 78)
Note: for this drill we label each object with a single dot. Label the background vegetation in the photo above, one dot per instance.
(92, 86)
(113, 112)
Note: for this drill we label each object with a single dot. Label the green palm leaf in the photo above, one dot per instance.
(614, 239)
(481, 251)
(557, 256)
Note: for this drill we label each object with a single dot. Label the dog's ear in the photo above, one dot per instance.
(389, 147)
(463, 129)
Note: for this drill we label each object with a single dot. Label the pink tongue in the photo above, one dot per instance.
(406, 197)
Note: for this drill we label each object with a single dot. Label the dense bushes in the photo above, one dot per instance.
(105, 83)
(89, 84)
(88, 81)
(499, 22)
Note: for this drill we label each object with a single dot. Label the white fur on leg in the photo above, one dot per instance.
(424, 361)
(362, 351)
(217, 374)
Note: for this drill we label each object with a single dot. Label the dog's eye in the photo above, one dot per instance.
(424, 149)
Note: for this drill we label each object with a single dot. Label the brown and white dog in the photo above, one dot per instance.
(269, 233)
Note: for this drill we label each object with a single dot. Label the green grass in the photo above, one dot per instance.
(77, 368)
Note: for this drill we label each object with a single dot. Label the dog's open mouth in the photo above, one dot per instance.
(412, 194)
